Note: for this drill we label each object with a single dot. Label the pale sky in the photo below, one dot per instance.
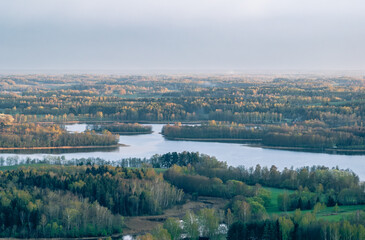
(182, 35)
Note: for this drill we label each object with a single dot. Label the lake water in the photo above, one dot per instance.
(144, 146)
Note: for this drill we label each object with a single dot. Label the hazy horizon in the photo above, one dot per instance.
(182, 36)
(151, 72)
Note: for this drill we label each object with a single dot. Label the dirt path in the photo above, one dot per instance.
(143, 224)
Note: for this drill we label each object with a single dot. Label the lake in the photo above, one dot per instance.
(146, 145)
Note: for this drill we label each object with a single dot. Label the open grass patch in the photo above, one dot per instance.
(274, 208)
(329, 213)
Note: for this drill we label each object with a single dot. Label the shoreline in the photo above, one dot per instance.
(130, 133)
(61, 147)
(120, 121)
(230, 140)
(248, 142)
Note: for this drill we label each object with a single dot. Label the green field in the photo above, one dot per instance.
(344, 211)
(327, 214)
(274, 208)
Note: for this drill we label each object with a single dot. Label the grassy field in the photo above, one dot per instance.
(274, 208)
(327, 214)
(344, 211)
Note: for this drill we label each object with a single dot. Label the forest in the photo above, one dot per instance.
(92, 197)
(309, 135)
(329, 101)
(303, 112)
(77, 201)
(303, 194)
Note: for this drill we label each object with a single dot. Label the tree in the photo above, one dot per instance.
(242, 211)
(286, 227)
(191, 225)
(159, 233)
(336, 208)
(6, 119)
(99, 115)
(229, 217)
(172, 225)
(236, 231)
(147, 236)
(258, 211)
(208, 221)
(284, 201)
(318, 207)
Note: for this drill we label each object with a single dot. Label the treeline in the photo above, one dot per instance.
(30, 135)
(301, 137)
(351, 138)
(214, 187)
(59, 201)
(212, 131)
(330, 185)
(200, 174)
(305, 200)
(61, 160)
(208, 176)
(315, 184)
(122, 128)
(305, 177)
(299, 226)
(289, 178)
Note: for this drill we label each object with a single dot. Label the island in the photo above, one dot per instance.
(122, 128)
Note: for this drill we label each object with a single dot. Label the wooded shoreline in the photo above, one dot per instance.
(61, 147)
(256, 143)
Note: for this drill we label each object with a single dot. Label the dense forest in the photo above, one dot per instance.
(204, 175)
(122, 191)
(59, 201)
(207, 176)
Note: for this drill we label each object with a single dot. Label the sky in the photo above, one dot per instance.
(182, 35)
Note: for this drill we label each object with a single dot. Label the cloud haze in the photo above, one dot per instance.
(189, 34)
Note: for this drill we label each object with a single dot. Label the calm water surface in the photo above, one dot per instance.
(144, 146)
